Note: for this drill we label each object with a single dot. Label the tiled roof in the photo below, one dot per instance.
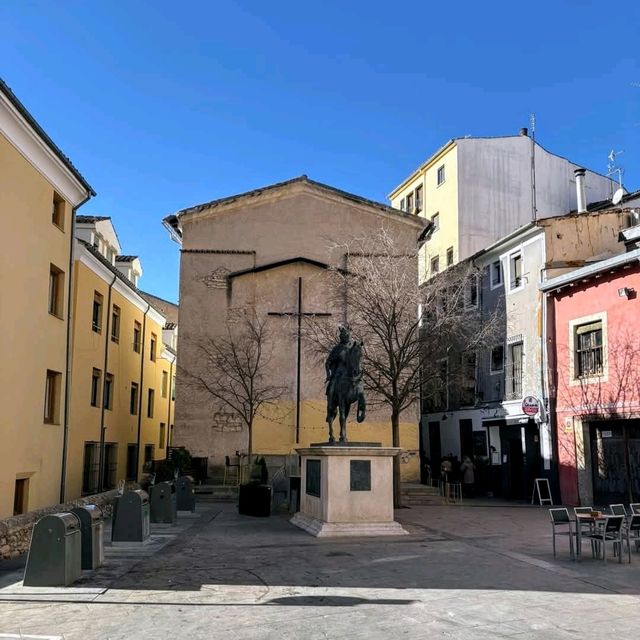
(126, 258)
(22, 110)
(89, 219)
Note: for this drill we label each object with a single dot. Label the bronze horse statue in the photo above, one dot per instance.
(344, 388)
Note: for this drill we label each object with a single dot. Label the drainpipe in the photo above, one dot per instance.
(168, 431)
(107, 337)
(69, 352)
(581, 195)
(144, 342)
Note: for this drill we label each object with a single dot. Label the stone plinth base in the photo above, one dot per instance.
(322, 529)
(347, 491)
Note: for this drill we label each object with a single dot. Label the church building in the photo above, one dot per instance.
(269, 250)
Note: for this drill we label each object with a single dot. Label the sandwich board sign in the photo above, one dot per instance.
(542, 490)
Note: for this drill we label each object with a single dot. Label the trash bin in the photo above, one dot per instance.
(163, 503)
(54, 558)
(186, 499)
(91, 533)
(131, 517)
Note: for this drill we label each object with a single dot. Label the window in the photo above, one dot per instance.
(419, 199)
(108, 391)
(137, 332)
(56, 290)
(440, 175)
(496, 274)
(513, 378)
(165, 384)
(132, 454)
(152, 350)
(163, 430)
(91, 467)
(57, 211)
(149, 455)
(449, 256)
(96, 321)
(589, 356)
(52, 397)
(403, 206)
(96, 376)
(173, 388)
(133, 399)
(115, 323)
(468, 387)
(515, 270)
(497, 359)
(435, 264)
(410, 203)
(150, 402)
(435, 220)
(21, 496)
(471, 297)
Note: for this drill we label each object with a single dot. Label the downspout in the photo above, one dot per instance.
(107, 338)
(144, 342)
(69, 350)
(168, 432)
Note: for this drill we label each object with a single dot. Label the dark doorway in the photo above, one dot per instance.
(466, 438)
(513, 463)
(435, 451)
(615, 461)
(110, 466)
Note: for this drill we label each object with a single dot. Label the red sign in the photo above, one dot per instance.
(530, 406)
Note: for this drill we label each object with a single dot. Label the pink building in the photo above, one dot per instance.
(594, 376)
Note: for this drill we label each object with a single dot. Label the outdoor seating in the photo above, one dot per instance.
(618, 510)
(610, 531)
(634, 507)
(632, 533)
(560, 520)
(587, 526)
(231, 469)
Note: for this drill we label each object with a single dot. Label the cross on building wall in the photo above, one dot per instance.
(298, 314)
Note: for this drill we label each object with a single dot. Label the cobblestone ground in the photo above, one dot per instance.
(464, 572)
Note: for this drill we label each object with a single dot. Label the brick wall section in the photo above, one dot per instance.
(15, 532)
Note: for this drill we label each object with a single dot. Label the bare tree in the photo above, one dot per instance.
(233, 369)
(405, 327)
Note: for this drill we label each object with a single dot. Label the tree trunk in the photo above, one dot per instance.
(249, 452)
(395, 441)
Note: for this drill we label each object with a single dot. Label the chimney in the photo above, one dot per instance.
(524, 132)
(580, 190)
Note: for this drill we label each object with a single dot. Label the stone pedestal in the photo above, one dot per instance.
(347, 491)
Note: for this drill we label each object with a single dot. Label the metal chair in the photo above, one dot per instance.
(585, 527)
(560, 518)
(632, 532)
(618, 510)
(228, 468)
(634, 507)
(611, 531)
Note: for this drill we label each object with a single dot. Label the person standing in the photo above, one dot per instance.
(467, 468)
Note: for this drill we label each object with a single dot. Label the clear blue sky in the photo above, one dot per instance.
(162, 105)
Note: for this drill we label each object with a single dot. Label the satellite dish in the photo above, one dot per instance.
(617, 196)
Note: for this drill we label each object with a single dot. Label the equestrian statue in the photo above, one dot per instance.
(344, 383)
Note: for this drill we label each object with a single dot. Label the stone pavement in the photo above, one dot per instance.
(464, 572)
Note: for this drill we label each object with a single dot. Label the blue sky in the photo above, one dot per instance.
(162, 105)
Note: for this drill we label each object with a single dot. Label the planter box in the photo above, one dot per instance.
(255, 500)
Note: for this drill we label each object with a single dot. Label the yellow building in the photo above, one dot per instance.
(39, 191)
(478, 190)
(124, 363)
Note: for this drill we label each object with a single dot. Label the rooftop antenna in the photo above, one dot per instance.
(534, 208)
(613, 169)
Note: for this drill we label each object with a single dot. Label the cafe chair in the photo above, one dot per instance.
(585, 527)
(610, 531)
(632, 533)
(634, 507)
(618, 510)
(560, 520)
(231, 469)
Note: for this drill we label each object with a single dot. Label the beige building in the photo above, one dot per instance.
(267, 249)
(39, 192)
(478, 190)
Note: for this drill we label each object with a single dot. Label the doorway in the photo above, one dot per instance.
(435, 450)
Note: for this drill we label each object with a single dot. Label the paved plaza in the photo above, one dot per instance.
(464, 572)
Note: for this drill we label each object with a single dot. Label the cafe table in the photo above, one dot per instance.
(593, 521)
